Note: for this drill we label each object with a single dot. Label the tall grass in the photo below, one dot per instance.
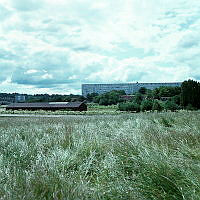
(134, 156)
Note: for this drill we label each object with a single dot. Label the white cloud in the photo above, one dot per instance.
(59, 44)
(31, 71)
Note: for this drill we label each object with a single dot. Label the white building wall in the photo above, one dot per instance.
(129, 88)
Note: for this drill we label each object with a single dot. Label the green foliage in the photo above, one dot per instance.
(138, 98)
(104, 101)
(190, 107)
(176, 99)
(190, 94)
(155, 93)
(165, 122)
(109, 98)
(149, 94)
(53, 98)
(91, 97)
(142, 90)
(146, 105)
(129, 106)
(169, 91)
(165, 91)
(170, 105)
(156, 106)
(42, 97)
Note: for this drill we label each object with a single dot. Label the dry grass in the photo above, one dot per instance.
(133, 156)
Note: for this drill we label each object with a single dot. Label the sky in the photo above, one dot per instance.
(54, 46)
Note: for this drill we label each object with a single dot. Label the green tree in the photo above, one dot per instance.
(91, 96)
(146, 105)
(109, 98)
(142, 90)
(155, 93)
(138, 98)
(190, 94)
(129, 106)
(176, 99)
(156, 106)
(170, 105)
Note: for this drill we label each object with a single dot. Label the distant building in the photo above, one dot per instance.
(73, 106)
(20, 98)
(4, 103)
(129, 88)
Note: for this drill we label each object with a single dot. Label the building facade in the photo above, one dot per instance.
(129, 88)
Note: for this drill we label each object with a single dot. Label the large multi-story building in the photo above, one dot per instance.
(129, 88)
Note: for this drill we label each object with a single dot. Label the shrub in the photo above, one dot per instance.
(176, 99)
(146, 105)
(156, 106)
(138, 98)
(170, 105)
(190, 107)
(142, 90)
(129, 106)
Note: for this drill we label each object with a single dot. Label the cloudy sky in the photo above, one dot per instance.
(53, 46)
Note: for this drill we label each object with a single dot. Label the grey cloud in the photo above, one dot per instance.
(81, 48)
(62, 45)
(20, 76)
(197, 77)
(171, 14)
(7, 55)
(135, 76)
(27, 5)
(6, 69)
(189, 21)
(4, 13)
(189, 41)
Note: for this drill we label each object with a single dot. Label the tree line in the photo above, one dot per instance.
(10, 97)
(169, 98)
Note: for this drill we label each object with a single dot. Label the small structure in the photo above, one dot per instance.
(4, 103)
(20, 98)
(50, 106)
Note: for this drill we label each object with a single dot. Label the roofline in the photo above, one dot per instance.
(131, 83)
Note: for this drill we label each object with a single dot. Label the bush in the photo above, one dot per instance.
(109, 98)
(190, 107)
(129, 106)
(103, 101)
(170, 105)
(146, 105)
(156, 106)
(176, 99)
(138, 98)
(142, 90)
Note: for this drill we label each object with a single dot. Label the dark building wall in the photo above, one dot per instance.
(32, 107)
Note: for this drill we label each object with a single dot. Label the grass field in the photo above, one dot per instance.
(130, 156)
(93, 109)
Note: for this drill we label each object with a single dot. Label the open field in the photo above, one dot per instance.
(130, 156)
(93, 109)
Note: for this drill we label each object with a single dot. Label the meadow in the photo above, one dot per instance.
(139, 156)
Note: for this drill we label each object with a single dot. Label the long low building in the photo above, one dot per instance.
(51, 106)
(129, 88)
